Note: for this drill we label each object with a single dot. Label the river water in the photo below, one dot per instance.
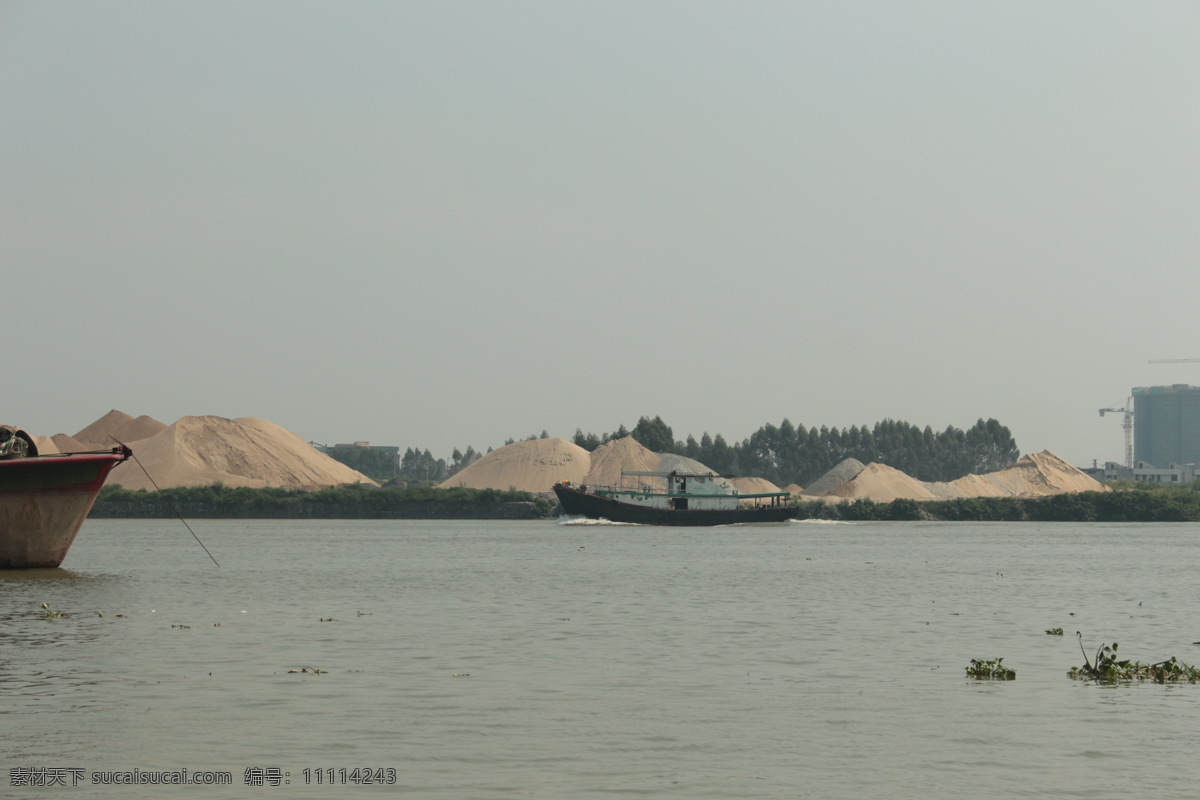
(565, 661)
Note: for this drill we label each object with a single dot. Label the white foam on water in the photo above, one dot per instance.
(566, 519)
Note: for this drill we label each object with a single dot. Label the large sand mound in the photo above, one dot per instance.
(612, 458)
(198, 451)
(1036, 475)
(882, 483)
(117, 426)
(845, 471)
(534, 465)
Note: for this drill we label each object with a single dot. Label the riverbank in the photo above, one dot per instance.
(343, 502)
(160, 510)
(1176, 504)
(1128, 505)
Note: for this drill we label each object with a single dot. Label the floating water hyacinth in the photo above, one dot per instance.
(991, 670)
(1106, 667)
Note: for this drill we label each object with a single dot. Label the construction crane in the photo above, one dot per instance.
(1128, 426)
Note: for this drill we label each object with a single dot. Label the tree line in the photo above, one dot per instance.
(421, 466)
(1142, 504)
(786, 453)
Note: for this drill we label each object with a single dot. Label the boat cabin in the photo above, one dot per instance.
(688, 491)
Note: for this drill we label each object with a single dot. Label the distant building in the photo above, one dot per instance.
(1166, 429)
(1142, 472)
(1172, 473)
(1111, 471)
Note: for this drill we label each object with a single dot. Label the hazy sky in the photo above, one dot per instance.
(443, 224)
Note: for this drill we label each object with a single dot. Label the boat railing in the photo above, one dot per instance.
(597, 488)
(649, 490)
(764, 500)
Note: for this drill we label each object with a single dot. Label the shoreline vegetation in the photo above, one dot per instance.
(1123, 505)
(350, 501)
(1166, 504)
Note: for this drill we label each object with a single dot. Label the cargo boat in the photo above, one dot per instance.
(45, 499)
(690, 498)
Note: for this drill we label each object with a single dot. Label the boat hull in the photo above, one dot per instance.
(44, 501)
(583, 504)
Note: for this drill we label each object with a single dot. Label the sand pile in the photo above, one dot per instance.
(103, 434)
(534, 465)
(1036, 475)
(45, 445)
(198, 451)
(69, 444)
(754, 485)
(843, 472)
(618, 455)
(881, 483)
(537, 464)
(118, 426)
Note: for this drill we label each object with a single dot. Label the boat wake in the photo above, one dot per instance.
(566, 519)
(820, 522)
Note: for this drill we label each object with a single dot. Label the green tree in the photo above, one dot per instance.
(654, 435)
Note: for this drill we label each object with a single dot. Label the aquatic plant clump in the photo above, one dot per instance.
(1106, 667)
(1054, 631)
(50, 613)
(990, 670)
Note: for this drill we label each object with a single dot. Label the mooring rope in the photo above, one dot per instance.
(165, 499)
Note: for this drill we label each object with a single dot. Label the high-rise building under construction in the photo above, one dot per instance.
(1166, 426)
